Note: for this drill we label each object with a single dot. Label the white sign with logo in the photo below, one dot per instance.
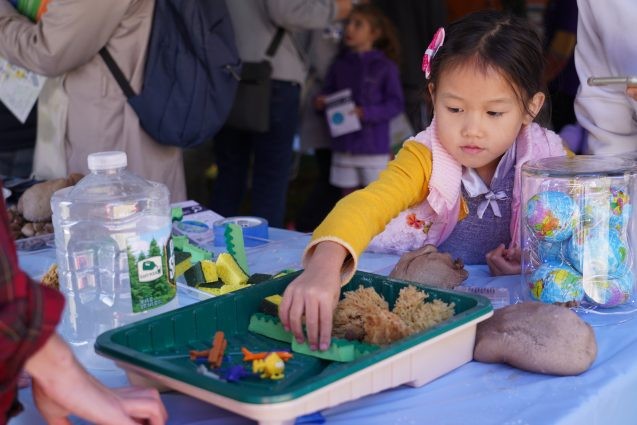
(340, 111)
(149, 269)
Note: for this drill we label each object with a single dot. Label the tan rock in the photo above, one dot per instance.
(537, 337)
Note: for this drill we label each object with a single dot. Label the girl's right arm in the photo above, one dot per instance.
(332, 257)
(313, 296)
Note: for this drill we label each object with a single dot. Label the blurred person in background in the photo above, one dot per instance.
(322, 46)
(369, 68)
(255, 23)
(606, 47)
(560, 24)
(17, 141)
(417, 21)
(94, 114)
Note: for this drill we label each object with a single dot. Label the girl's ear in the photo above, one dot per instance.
(432, 92)
(534, 107)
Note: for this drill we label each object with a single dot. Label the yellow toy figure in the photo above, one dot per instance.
(271, 367)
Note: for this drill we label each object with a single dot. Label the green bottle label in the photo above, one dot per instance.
(151, 267)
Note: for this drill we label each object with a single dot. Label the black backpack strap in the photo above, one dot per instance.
(117, 73)
(275, 43)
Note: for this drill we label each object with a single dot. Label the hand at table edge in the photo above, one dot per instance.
(62, 387)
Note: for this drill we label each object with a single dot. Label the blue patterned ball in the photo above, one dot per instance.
(609, 292)
(597, 253)
(554, 282)
(550, 251)
(551, 216)
(620, 208)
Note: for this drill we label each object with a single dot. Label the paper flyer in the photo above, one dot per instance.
(340, 112)
(19, 89)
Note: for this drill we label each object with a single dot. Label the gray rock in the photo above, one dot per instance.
(537, 337)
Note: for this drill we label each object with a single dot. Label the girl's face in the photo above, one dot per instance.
(359, 34)
(479, 116)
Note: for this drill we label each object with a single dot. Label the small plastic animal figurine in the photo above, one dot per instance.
(219, 344)
(214, 355)
(234, 373)
(272, 367)
(249, 356)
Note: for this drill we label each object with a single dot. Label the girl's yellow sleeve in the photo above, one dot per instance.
(360, 216)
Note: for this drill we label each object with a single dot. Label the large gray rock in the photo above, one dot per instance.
(537, 337)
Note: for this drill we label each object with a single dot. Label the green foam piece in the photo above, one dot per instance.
(177, 213)
(341, 350)
(235, 245)
(197, 253)
(270, 326)
(180, 241)
(182, 244)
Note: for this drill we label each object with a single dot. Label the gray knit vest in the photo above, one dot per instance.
(473, 237)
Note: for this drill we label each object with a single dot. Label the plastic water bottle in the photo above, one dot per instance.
(114, 252)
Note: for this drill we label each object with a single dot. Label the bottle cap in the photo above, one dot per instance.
(107, 160)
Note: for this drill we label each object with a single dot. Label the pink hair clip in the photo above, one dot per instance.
(432, 49)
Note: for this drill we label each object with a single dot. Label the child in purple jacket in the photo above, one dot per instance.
(368, 68)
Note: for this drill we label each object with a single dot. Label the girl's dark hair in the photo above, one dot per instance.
(490, 39)
(387, 41)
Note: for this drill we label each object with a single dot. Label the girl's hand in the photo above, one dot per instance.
(359, 112)
(314, 295)
(319, 103)
(502, 261)
(632, 92)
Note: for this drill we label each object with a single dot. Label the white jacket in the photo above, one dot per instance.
(607, 46)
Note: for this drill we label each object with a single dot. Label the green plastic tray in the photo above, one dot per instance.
(160, 344)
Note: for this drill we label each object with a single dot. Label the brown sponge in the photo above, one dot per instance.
(364, 315)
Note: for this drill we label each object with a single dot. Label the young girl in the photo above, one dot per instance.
(456, 184)
(367, 67)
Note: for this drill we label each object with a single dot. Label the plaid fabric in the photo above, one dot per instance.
(28, 315)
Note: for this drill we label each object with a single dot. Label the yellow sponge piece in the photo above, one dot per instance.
(229, 271)
(209, 269)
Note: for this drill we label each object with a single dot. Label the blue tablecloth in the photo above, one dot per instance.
(475, 393)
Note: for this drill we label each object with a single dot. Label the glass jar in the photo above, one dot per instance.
(578, 231)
